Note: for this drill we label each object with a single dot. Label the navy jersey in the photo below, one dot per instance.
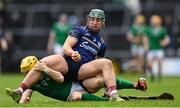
(89, 44)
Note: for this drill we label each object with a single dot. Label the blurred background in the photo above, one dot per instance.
(25, 25)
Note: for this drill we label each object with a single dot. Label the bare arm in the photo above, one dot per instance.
(133, 39)
(145, 43)
(55, 75)
(26, 96)
(69, 43)
(3, 44)
(129, 36)
(67, 47)
(165, 41)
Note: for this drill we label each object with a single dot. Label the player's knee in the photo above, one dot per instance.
(75, 96)
(107, 62)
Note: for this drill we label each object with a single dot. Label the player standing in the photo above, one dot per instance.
(156, 39)
(58, 35)
(135, 36)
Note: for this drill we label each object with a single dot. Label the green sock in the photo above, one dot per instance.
(123, 84)
(91, 97)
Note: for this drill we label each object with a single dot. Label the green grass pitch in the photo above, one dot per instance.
(168, 84)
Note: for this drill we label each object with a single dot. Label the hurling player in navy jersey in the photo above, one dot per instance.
(84, 50)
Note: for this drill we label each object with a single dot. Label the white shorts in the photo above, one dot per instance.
(159, 54)
(137, 50)
(58, 49)
(75, 87)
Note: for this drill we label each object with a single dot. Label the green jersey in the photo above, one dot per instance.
(155, 35)
(137, 30)
(48, 87)
(61, 32)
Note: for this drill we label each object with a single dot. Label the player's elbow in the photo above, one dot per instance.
(60, 78)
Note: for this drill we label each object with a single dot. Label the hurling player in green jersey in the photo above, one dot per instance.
(156, 39)
(135, 37)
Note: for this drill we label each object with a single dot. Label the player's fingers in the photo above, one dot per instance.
(76, 58)
(35, 68)
(75, 53)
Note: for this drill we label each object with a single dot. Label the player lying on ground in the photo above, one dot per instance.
(81, 50)
(68, 90)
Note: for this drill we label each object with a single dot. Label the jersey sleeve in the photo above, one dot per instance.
(75, 32)
(102, 51)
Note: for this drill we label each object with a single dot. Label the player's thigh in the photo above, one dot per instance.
(93, 68)
(56, 62)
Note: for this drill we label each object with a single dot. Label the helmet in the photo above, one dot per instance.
(97, 13)
(28, 63)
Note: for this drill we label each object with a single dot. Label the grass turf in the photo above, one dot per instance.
(168, 84)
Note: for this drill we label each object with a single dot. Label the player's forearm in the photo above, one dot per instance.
(68, 50)
(129, 37)
(68, 45)
(4, 44)
(145, 43)
(51, 40)
(165, 42)
(71, 53)
(55, 75)
(137, 39)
